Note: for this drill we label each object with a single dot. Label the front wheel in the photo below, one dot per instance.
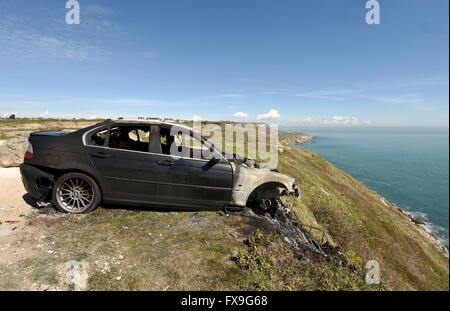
(76, 193)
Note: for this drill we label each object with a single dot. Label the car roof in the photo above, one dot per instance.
(147, 122)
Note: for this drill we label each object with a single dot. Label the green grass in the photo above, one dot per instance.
(145, 249)
(152, 251)
(24, 123)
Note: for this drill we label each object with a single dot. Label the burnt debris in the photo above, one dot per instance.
(275, 217)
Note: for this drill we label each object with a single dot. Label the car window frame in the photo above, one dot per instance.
(87, 136)
(196, 136)
(135, 127)
(108, 127)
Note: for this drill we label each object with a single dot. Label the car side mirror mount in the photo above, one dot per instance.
(213, 161)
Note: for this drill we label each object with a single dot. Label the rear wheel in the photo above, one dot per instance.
(76, 193)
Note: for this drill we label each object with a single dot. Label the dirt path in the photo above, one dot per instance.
(13, 207)
(16, 238)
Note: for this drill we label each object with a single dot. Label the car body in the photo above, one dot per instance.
(130, 163)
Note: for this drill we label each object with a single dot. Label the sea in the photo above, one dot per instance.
(407, 166)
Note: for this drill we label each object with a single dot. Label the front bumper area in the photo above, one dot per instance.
(294, 191)
(32, 178)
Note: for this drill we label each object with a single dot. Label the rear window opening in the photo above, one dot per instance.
(129, 138)
(98, 138)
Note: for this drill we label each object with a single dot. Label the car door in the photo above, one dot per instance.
(125, 165)
(191, 181)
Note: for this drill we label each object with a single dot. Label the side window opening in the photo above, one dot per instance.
(181, 140)
(166, 140)
(144, 136)
(129, 138)
(133, 135)
(98, 138)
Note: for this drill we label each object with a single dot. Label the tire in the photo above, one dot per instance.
(76, 193)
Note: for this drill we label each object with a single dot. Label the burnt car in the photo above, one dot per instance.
(139, 163)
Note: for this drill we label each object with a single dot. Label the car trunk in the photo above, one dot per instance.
(49, 133)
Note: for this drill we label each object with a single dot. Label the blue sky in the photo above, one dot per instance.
(296, 62)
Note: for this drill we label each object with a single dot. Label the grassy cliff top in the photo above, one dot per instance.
(143, 249)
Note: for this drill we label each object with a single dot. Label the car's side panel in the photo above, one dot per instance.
(193, 182)
(127, 175)
(199, 181)
(135, 177)
(61, 154)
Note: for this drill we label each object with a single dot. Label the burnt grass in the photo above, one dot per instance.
(280, 222)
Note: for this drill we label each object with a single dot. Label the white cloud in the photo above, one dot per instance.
(62, 106)
(100, 10)
(67, 101)
(336, 95)
(335, 121)
(44, 114)
(343, 120)
(432, 81)
(272, 114)
(232, 95)
(20, 39)
(240, 114)
(414, 100)
(7, 114)
(277, 91)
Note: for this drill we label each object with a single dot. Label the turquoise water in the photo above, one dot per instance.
(409, 167)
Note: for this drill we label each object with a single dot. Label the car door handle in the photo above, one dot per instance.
(100, 155)
(165, 163)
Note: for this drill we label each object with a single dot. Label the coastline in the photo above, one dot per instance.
(424, 227)
(289, 138)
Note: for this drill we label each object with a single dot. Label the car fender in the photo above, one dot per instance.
(249, 179)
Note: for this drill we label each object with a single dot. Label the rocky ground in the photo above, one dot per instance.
(294, 138)
(13, 149)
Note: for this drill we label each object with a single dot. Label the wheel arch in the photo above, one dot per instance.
(265, 190)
